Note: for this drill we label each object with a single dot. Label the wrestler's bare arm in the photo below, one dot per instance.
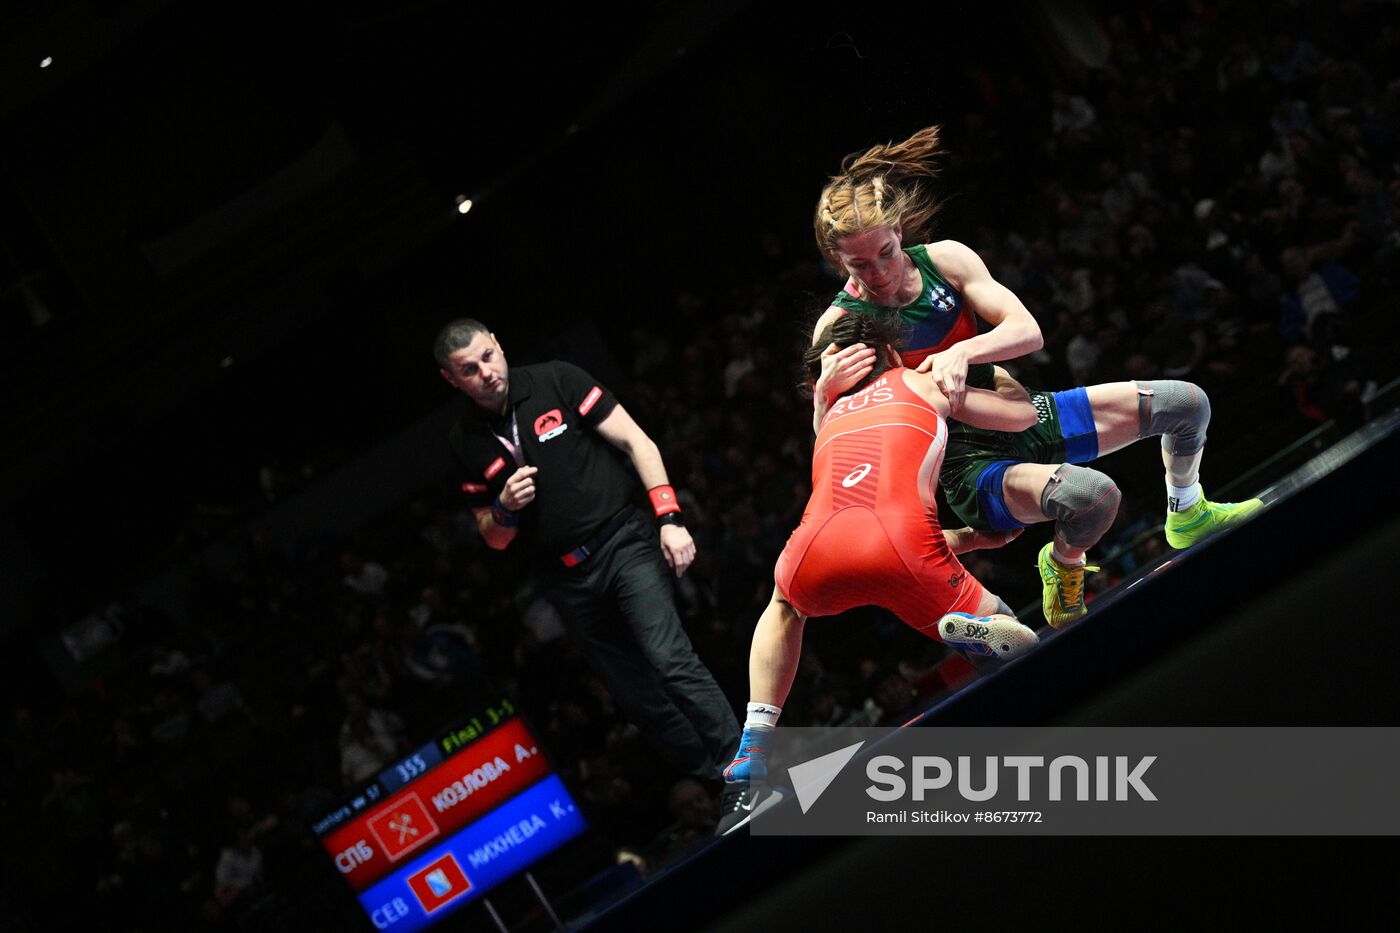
(1014, 331)
(980, 408)
(1005, 385)
(962, 540)
(841, 368)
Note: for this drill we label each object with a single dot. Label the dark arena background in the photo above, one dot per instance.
(237, 583)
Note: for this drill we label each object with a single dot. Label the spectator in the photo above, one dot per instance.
(238, 876)
(364, 576)
(693, 824)
(1312, 294)
(369, 740)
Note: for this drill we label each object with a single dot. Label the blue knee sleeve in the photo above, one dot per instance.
(1077, 425)
(990, 500)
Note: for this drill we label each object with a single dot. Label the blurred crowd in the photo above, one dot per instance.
(1217, 202)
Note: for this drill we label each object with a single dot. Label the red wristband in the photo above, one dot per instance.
(663, 500)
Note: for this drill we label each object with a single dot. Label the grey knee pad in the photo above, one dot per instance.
(1082, 502)
(1179, 411)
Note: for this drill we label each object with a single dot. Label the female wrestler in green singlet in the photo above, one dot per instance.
(996, 481)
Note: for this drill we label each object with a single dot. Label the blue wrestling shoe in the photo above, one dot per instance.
(746, 793)
(1001, 637)
(750, 765)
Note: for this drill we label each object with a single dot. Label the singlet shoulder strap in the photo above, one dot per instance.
(919, 253)
(848, 302)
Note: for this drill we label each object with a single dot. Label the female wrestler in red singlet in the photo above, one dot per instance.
(870, 533)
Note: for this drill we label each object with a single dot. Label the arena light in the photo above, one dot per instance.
(46, 61)
(464, 203)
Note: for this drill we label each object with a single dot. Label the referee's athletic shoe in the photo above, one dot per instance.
(996, 636)
(1203, 519)
(742, 802)
(1062, 588)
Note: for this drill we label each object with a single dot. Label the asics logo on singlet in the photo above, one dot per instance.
(955, 580)
(856, 475)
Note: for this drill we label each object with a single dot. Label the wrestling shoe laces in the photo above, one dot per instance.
(1062, 597)
(1204, 519)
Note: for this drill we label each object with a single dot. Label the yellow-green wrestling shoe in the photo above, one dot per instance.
(1206, 518)
(1063, 596)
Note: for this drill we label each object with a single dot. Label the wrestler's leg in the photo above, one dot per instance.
(1115, 412)
(943, 600)
(992, 633)
(775, 652)
(1125, 412)
(1178, 412)
(1082, 502)
(990, 605)
(773, 660)
(993, 605)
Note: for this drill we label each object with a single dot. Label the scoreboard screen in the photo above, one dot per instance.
(441, 827)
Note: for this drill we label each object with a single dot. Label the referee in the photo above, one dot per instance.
(549, 456)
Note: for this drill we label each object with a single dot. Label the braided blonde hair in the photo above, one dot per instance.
(880, 187)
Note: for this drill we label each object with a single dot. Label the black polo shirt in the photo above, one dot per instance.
(583, 480)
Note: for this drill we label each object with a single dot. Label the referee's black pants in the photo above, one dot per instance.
(620, 604)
